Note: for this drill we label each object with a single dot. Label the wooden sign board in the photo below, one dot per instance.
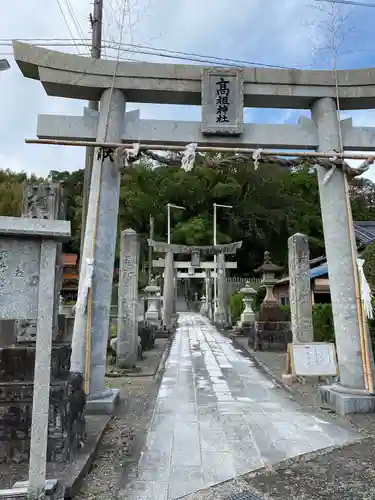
(315, 359)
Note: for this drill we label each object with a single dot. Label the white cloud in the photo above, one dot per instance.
(259, 31)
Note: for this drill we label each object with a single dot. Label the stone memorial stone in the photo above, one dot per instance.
(300, 288)
(221, 317)
(28, 290)
(43, 201)
(222, 101)
(127, 325)
(168, 290)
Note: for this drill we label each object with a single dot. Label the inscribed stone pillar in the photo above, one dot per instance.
(43, 201)
(168, 291)
(222, 299)
(300, 288)
(341, 265)
(208, 289)
(101, 224)
(127, 324)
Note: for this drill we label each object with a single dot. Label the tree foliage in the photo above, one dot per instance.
(269, 204)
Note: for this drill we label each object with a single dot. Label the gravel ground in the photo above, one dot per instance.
(343, 474)
(123, 439)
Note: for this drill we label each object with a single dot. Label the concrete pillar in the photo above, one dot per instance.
(127, 323)
(300, 288)
(104, 202)
(222, 298)
(341, 267)
(168, 291)
(42, 375)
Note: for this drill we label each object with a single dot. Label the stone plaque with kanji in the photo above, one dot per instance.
(19, 277)
(222, 101)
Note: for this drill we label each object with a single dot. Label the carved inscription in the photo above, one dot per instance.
(222, 101)
(19, 278)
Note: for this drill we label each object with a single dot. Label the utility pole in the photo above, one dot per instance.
(150, 249)
(96, 49)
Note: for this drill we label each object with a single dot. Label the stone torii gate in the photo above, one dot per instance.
(222, 92)
(185, 270)
(170, 275)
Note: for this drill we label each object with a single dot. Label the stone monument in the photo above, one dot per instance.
(127, 325)
(44, 201)
(300, 288)
(27, 290)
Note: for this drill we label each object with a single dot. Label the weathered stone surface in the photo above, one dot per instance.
(168, 290)
(300, 288)
(181, 84)
(221, 316)
(337, 219)
(270, 136)
(127, 325)
(44, 201)
(161, 246)
(102, 222)
(217, 417)
(19, 277)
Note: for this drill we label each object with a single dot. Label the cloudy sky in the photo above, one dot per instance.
(292, 33)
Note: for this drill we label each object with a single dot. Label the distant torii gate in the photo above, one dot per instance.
(206, 271)
(221, 312)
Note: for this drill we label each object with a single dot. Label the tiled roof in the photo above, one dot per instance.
(70, 259)
(364, 231)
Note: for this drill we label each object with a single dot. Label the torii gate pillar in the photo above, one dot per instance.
(99, 246)
(350, 395)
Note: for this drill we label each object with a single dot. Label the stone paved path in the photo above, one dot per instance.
(218, 416)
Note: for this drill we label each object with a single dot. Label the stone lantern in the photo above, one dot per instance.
(269, 272)
(248, 315)
(203, 308)
(153, 303)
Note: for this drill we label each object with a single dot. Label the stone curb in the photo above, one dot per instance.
(161, 367)
(262, 366)
(296, 395)
(70, 490)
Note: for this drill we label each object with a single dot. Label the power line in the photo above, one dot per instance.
(349, 2)
(145, 50)
(74, 18)
(66, 22)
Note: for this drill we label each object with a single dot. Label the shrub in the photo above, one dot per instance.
(323, 323)
(236, 306)
(369, 266)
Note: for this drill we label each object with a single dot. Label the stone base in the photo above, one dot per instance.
(104, 405)
(51, 485)
(287, 379)
(345, 403)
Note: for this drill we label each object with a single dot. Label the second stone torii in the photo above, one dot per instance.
(169, 307)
